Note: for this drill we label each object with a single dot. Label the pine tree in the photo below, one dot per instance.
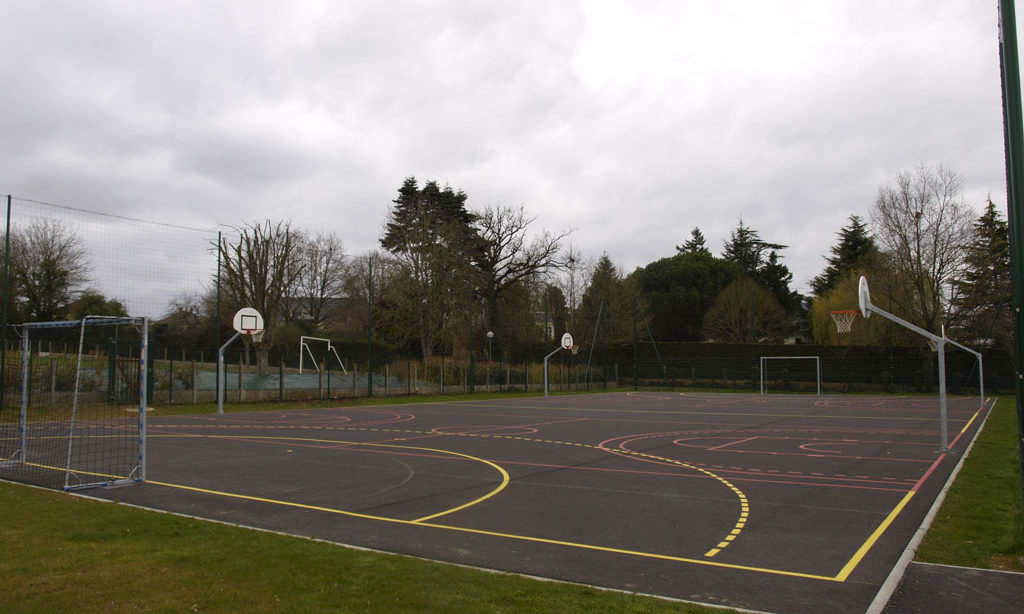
(776, 277)
(430, 232)
(746, 249)
(608, 285)
(696, 244)
(854, 251)
(982, 307)
(760, 261)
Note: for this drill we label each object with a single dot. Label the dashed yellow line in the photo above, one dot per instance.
(728, 539)
(527, 538)
(740, 524)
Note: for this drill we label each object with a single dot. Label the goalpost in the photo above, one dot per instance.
(764, 369)
(305, 346)
(81, 420)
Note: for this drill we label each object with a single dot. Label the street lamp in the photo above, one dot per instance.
(490, 335)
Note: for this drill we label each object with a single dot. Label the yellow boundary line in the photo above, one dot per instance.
(528, 538)
(738, 527)
(868, 544)
(842, 576)
(744, 516)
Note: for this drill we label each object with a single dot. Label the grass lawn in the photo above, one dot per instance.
(981, 523)
(66, 553)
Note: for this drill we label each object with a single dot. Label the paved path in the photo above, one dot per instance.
(943, 589)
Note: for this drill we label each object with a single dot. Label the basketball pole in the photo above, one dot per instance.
(940, 345)
(1013, 144)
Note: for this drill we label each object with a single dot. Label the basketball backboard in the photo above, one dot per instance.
(566, 341)
(248, 321)
(864, 297)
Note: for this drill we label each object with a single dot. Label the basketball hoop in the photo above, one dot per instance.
(844, 319)
(575, 349)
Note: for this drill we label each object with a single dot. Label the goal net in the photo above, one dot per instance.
(78, 418)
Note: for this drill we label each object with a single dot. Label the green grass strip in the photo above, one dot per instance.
(981, 524)
(64, 553)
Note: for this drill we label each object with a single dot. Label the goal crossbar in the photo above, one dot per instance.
(764, 369)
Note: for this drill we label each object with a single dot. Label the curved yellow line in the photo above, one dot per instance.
(505, 479)
(741, 522)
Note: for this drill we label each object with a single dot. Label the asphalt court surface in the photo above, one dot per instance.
(772, 503)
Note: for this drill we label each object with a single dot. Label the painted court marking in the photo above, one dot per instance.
(430, 520)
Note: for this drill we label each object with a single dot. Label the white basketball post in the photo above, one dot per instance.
(247, 321)
(566, 344)
(866, 309)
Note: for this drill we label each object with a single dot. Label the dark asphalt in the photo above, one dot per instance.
(787, 504)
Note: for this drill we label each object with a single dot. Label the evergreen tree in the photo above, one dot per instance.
(608, 285)
(679, 290)
(746, 248)
(982, 309)
(776, 277)
(696, 244)
(760, 261)
(855, 250)
(430, 232)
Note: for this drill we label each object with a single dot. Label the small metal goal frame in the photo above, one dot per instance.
(142, 324)
(305, 346)
(764, 369)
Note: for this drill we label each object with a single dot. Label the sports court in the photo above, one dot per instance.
(780, 503)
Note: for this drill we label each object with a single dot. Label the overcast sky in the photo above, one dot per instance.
(629, 121)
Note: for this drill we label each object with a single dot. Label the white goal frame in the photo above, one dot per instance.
(330, 348)
(73, 479)
(764, 369)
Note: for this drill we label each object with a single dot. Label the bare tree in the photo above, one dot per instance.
(258, 271)
(187, 306)
(49, 266)
(509, 259)
(323, 277)
(574, 281)
(924, 222)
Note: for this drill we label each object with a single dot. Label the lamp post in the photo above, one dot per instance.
(490, 335)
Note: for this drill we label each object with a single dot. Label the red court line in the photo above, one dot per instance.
(726, 445)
